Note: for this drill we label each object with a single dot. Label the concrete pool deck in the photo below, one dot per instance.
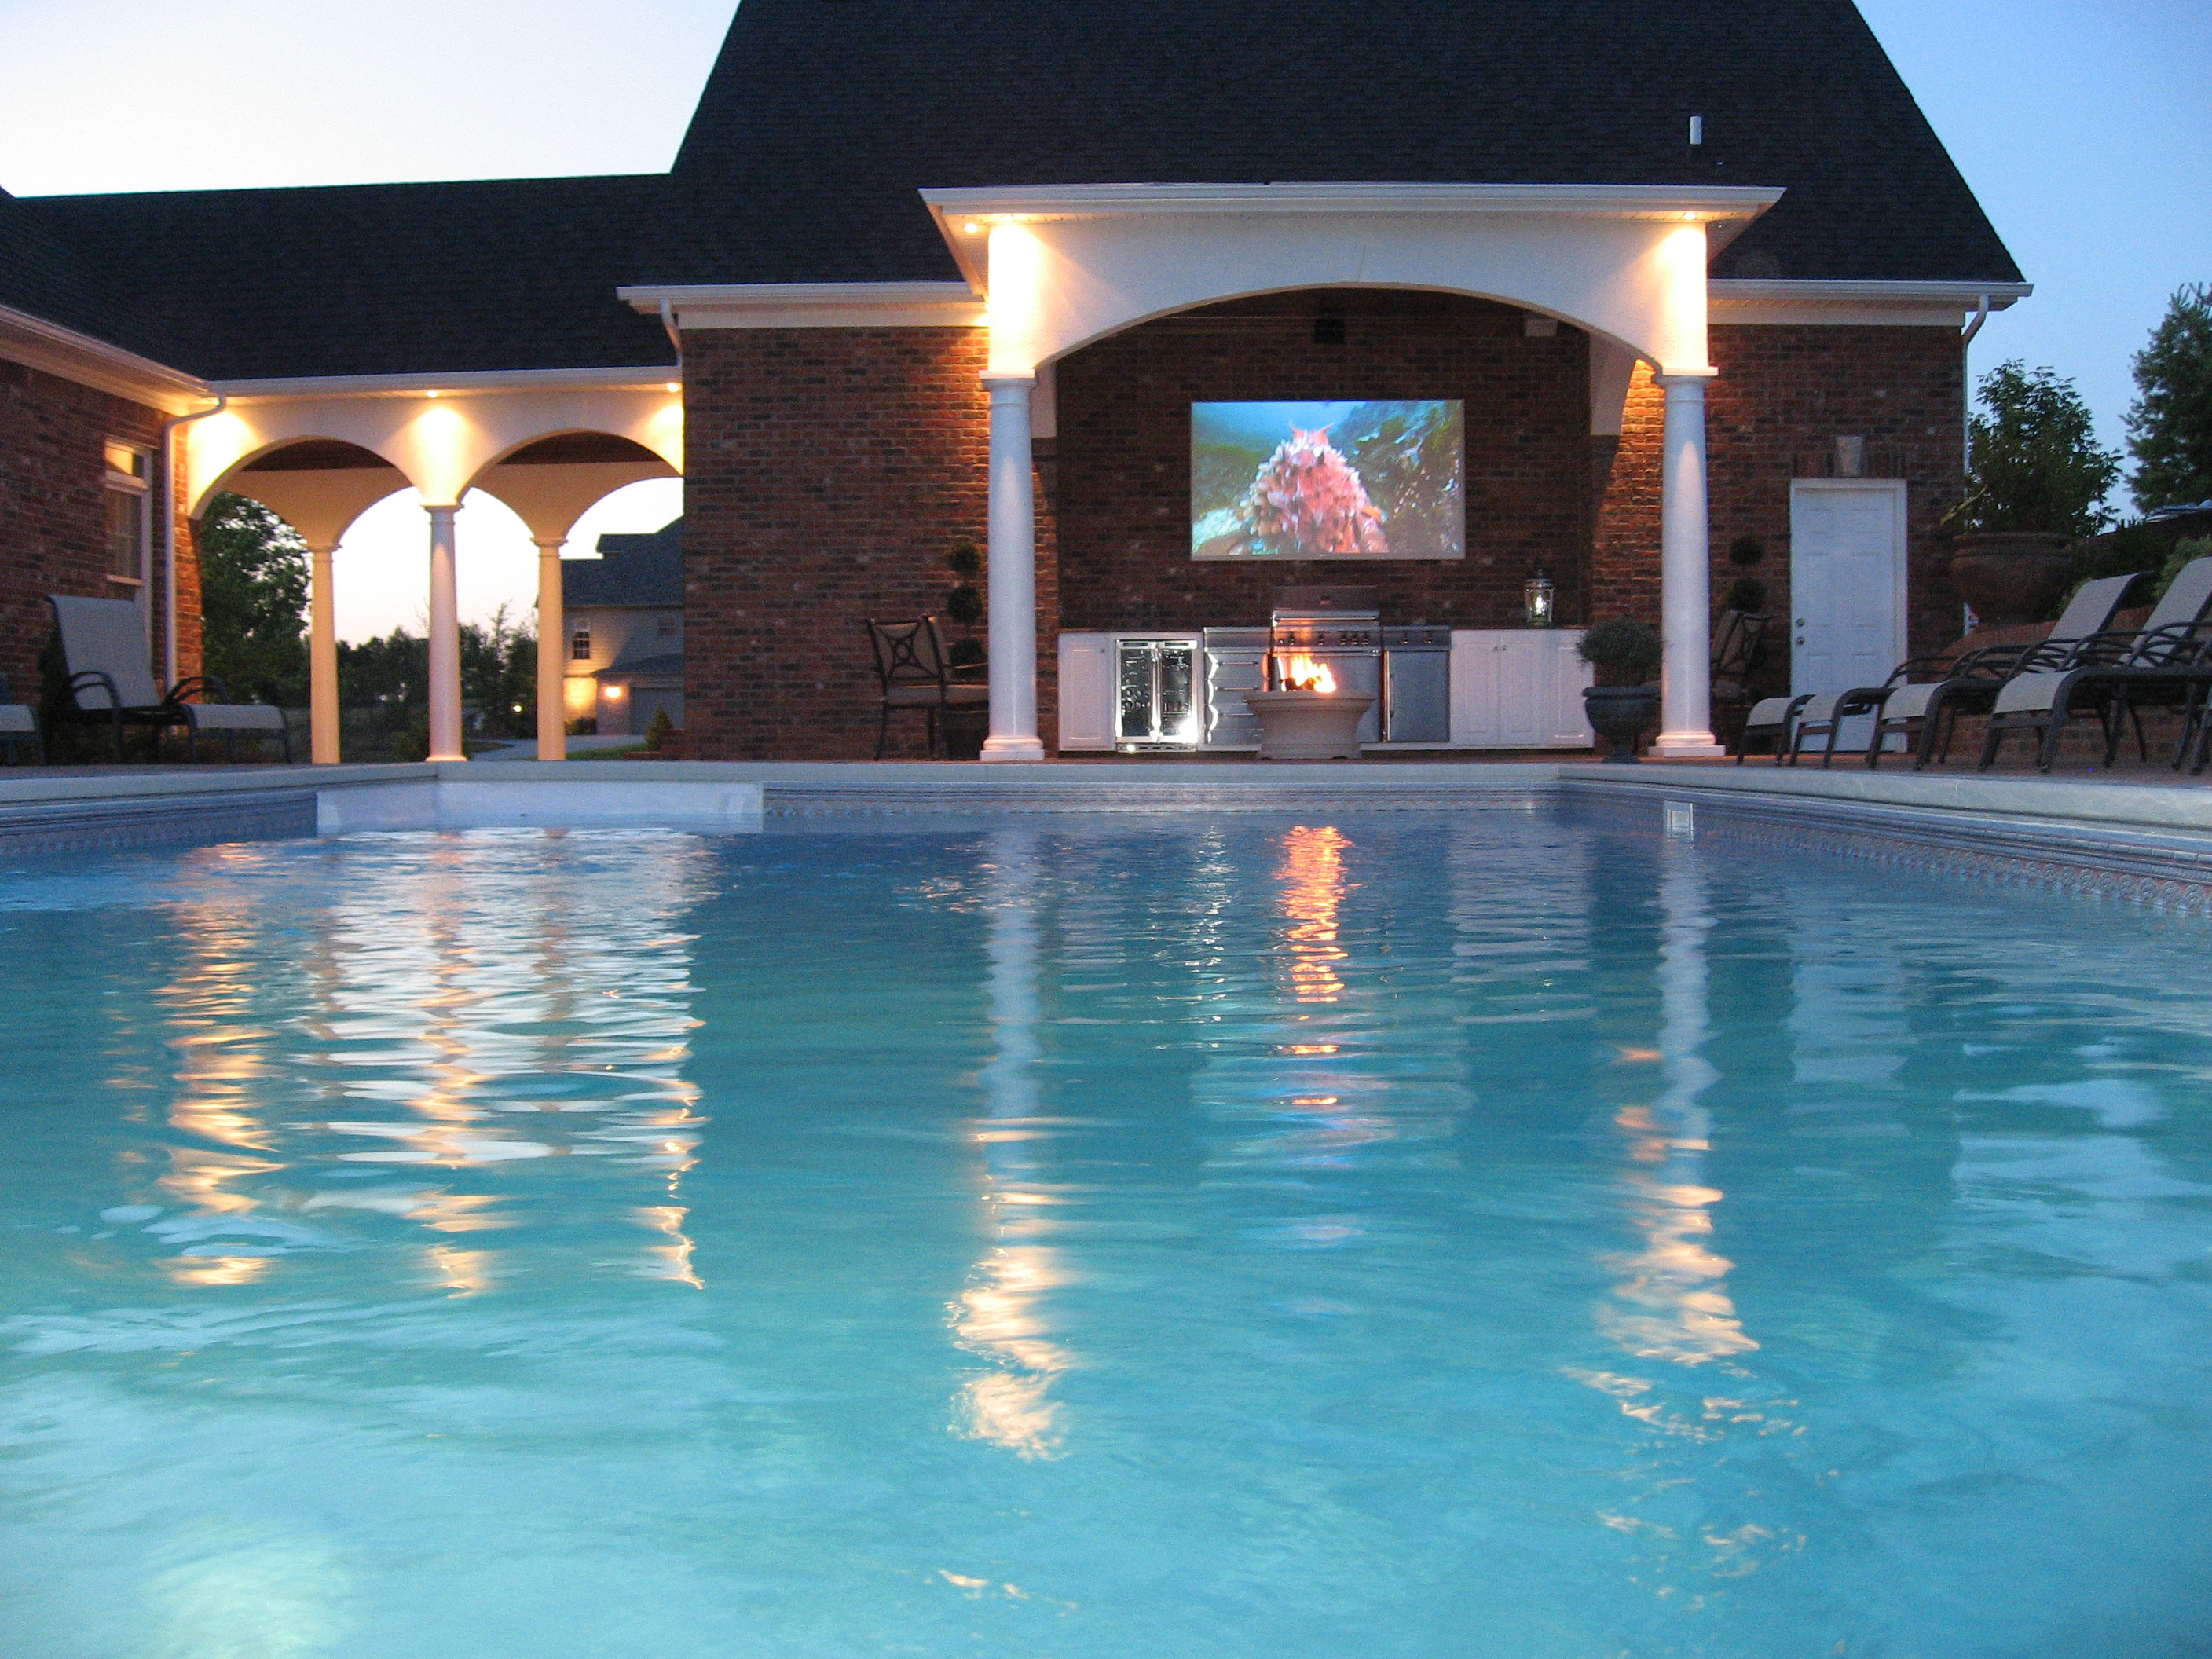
(2145, 838)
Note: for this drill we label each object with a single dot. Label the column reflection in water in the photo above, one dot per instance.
(1673, 1304)
(448, 1013)
(1000, 1316)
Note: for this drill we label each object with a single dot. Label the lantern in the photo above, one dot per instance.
(1536, 593)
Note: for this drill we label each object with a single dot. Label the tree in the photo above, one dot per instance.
(2032, 461)
(2170, 423)
(253, 601)
(499, 675)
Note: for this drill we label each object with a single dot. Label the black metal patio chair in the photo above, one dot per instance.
(913, 672)
(110, 683)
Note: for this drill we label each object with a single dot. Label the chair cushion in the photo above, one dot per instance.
(2028, 693)
(1908, 701)
(1816, 709)
(17, 717)
(234, 716)
(1768, 711)
(967, 697)
(910, 696)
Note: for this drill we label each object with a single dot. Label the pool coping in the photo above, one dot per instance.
(2149, 842)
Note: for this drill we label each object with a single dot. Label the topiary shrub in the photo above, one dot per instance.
(1624, 652)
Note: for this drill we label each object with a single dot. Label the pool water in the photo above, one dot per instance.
(1391, 1235)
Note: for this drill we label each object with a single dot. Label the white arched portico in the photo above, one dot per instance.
(1064, 265)
(443, 437)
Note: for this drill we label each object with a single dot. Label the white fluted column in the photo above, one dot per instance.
(445, 642)
(1685, 560)
(1012, 576)
(552, 655)
(322, 658)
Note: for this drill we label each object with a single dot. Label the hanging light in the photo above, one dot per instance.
(1536, 593)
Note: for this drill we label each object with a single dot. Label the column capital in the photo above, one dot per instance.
(552, 544)
(1009, 386)
(1683, 379)
(433, 509)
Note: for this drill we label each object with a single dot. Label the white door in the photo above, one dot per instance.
(1846, 586)
(1525, 691)
(1086, 691)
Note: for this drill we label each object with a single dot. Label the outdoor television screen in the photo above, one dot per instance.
(1381, 479)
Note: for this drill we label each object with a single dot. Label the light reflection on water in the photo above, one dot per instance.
(1398, 1235)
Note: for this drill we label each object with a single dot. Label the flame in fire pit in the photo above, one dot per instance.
(1300, 672)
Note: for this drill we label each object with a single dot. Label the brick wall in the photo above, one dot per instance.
(827, 469)
(54, 434)
(1786, 393)
(1124, 454)
(826, 472)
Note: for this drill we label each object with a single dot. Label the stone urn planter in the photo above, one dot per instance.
(1621, 714)
(2011, 576)
(1309, 725)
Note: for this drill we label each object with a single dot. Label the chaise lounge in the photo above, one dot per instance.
(104, 651)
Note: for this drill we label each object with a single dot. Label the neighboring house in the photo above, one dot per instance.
(623, 657)
(1694, 271)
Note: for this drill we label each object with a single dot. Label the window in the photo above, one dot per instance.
(580, 642)
(129, 505)
(666, 628)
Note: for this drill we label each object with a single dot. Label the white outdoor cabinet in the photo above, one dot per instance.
(1086, 691)
(1518, 688)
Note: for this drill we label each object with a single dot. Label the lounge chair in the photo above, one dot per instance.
(104, 650)
(1925, 691)
(2110, 674)
(19, 724)
(1770, 719)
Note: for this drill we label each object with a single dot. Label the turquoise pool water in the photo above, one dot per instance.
(1387, 1235)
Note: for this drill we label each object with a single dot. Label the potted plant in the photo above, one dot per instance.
(965, 728)
(2035, 481)
(1624, 702)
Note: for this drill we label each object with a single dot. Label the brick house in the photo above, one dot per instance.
(1700, 273)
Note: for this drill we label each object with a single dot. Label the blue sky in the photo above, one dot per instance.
(2084, 128)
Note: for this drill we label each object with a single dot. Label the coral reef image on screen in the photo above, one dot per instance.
(1379, 479)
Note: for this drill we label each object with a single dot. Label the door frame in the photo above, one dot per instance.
(1900, 621)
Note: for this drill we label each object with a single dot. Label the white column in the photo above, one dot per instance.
(552, 655)
(322, 658)
(1012, 576)
(445, 642)
(1685, 560)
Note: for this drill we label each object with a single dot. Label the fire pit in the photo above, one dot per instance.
(1306, 717)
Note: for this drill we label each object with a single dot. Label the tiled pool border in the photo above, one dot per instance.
(2139, 843)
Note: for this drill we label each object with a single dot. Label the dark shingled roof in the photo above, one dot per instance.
(669, 665)
(632, 569)
(375, 279)
(823, 117)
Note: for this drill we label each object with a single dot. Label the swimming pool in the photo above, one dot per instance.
(1502, 1234)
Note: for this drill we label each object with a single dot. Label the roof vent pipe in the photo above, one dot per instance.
(169, 530)
(1697, 130)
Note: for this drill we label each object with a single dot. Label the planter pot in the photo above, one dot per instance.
(1621, 714)
(2011, 576)
(964, 731)
(1308, 724)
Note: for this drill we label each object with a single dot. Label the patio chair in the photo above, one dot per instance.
(1924, 686)
(913, 673)
(1739, 646)
(1770, 719)
(104, 651)
(2165, 667)
(19, 724)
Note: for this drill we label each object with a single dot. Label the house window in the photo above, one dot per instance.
(580, 642)
(129, 505)
(666, 628)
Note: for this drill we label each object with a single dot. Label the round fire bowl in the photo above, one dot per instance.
(1308, 725)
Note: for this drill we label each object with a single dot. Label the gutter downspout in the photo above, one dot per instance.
(169, 531)
(1981, 316)
(676, 334)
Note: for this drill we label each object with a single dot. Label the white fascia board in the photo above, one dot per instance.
(64, 353)
(1842, 303)
(811, 305)
(1725, 208)
(477, 381)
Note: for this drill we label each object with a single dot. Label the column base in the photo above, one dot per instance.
(1012, 749)
(1687, 746)
(445, 758)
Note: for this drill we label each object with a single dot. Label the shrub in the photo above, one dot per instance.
(1624, 652)
(2032, 460)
